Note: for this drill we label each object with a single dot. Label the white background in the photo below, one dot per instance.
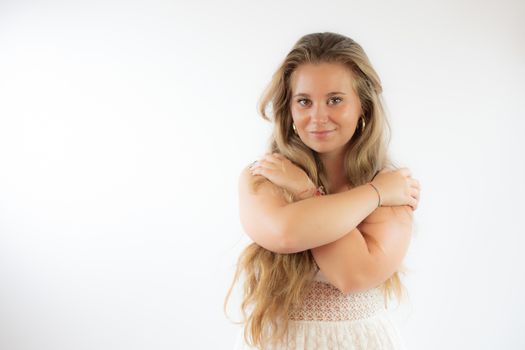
(124, 126)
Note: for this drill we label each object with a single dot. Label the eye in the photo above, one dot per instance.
(336, 98)
(301, 100)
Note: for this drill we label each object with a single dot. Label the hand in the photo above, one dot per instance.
(397, 187)
(283, 172)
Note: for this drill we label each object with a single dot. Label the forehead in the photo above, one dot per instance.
(312, 78)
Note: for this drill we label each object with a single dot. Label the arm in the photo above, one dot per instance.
(317, 221)
(283, 227)
(259, 211)
(369, 254)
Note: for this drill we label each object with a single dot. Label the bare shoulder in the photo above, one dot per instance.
(257, 185)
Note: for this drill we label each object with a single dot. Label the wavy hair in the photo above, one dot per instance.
(274, 282)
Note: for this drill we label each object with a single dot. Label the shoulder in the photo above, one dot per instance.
(258, 185)
(247, 181)
(259, 210)
(245, 175)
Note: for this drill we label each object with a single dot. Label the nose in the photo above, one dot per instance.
(319, 114)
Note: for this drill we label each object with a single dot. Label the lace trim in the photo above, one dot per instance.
(324, 302)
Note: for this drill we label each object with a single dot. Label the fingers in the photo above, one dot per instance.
(413, 204)
(276, 160)
(414, 193)
(267, 163)
(255, 168)
(279, 156)
(262, 163)
(416, 189)
(271, 158)
(271, 161)
(415, 183)
(414, 198)
(405, 171)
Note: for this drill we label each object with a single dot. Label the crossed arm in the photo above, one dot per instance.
(357, 245)
(369, 254)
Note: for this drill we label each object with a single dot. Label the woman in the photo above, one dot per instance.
(330, 216)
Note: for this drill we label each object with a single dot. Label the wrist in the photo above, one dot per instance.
(310, 191)
(378, 194)
(306, 193)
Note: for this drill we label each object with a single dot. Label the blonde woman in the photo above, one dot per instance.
(330, 216)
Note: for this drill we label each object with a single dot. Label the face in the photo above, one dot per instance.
(323, 100)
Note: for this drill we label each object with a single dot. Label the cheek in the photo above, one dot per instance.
(297, 115)
(350, 116)
(295, 111)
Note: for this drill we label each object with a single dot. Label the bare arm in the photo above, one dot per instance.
(259, 212)
(317, 221)
(368, 255)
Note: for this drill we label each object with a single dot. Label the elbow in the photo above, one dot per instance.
(286, 241)
(290, 242)
(282, 243)
(286, 245)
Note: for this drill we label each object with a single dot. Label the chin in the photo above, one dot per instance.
(322, 150)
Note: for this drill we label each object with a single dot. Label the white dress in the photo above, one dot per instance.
(328, 319)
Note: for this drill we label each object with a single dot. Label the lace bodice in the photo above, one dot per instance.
(328, 319)
(324, 302)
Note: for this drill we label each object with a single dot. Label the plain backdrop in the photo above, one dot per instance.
(124, 126)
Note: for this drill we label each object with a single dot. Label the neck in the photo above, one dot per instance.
(334, 166)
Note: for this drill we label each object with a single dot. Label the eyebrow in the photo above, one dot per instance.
(328, 94)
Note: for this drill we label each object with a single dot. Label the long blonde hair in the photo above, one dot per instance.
(276, 282)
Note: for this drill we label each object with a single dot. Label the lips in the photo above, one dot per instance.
(322, 135)
(321, 131)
